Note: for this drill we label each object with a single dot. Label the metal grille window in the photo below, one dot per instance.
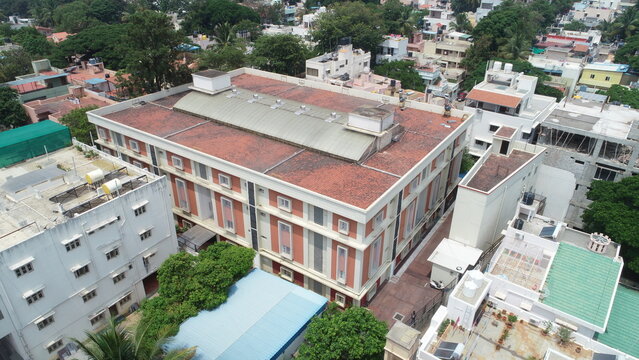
(285, 235)
(45, 322)
(97, 318)
(54, 346)
(119, 277)
(145, 235)
(227, 214)
(90, 295)
(72, 244)
(139, 211)
(112, 254)
(26, 268)
(34, 297)
(81, 271)
(342, 255)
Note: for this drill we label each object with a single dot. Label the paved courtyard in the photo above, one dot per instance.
(411, 292)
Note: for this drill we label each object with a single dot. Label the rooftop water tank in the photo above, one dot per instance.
(470, 288)
(112, 186)
(94, 176)
(476, 277)
(599, 243)
(497, 66)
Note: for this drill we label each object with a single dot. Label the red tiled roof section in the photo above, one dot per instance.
(154, 119)
(347, 182)
(239, 147)
(169, 101)
(494, 98)
(496, 168)
(310, 96)
(505, 131)
(424, 131)
(581, 48)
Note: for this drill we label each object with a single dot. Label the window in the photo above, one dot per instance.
(112, 254)
(227, 214)
(145, 235)
(342, 254)
(286, 273)
(379, 218)
(318, 215)
(410, 218)
(592, 76)
(343, 226)
(414, 184)
(493, 128)
(285, 234)
(607, 78)
(340, 299)
(224, 180)
(97, 318)
(119, 277)
(182, 196)
(202, 171)
(177, 162)
(283, 203)
(118, 139)
(34, 297)
(140, 210)
(134, 146)
(316, 249)
(90, 295)
(146, 260)
(26, 268)
(81, 271)
(124, 300)
(101, 133)
(525, 136)
(45, 322)
(312, 72)
(375, 256)
(53, 346)
(136, 164)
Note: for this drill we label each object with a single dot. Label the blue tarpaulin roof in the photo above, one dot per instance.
(95, 81)
(261, 317)
(187, 47)
(34, 79)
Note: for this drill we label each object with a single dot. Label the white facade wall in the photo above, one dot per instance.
(346, 61)
(53, 266)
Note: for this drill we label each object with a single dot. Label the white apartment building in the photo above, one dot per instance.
(563, 73)
(332, 186)
(393, 48)
(339, 66)
(80, 241)
(506, 98)
(484, 8)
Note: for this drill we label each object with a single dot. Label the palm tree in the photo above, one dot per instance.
(224, 35)
(517, 46)
(43, 12)
(118, 343)
(461, 24)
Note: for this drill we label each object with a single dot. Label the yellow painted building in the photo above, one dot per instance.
(602, 75)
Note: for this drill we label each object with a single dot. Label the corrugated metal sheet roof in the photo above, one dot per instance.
(309, 129)
(34, 79)
(280, 312)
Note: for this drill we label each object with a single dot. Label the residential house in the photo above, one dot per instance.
(603, 75)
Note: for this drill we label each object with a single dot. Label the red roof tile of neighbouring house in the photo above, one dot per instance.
(581, 48)
(505, 131)
(494, 98)
(59, 36)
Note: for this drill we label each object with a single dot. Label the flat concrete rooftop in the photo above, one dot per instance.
(355, 183)
(497, 168)
(43, 192)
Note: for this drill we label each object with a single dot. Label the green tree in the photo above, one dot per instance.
(624, 95)
(12, 113)
(462, 24)
(118, 343)
(151, 48)
(33, 42)
(14, 63)
(614, 211)
(254, 29)
(107, 11)
(354, 334)
(74, 17)
(462, 6)
(190, 283)
(43, 11)
(284, 54)
(629, 52)
(624, 26)
(361, 22)
(576, 25)
(15, 7)
(403, 71)
(271, 13)
(104, 41)
(225, 59)
(79, 124)
(204, 15)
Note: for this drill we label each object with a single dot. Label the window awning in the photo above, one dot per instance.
(197, 235)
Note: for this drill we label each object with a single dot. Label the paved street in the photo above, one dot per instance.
(411, 292)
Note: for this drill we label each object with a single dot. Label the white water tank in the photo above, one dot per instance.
(508, 67)
(476, 277)
(497, 66)
(112, 186)
(470, 288)
(94, 176)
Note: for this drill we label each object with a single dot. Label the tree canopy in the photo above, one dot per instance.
(361, 22)
(624, 95)
(12, 113)
(79, 124)
(614, 211)
(104, 41)
(190, 283)
(353, 334)
(14, 63)
(284, 54)
(151, 53)
(204, 15)
(629, 52)
(403, 71)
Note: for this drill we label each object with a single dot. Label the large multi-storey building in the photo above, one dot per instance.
(332, 186)
(81, 237)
